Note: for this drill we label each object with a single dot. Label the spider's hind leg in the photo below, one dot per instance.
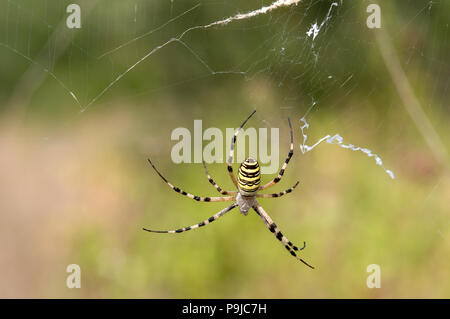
(192, 196)
(230, 158)
(289, 190)
(285, 164)
(219, 189)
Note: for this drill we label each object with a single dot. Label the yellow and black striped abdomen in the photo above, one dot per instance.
(249, 177)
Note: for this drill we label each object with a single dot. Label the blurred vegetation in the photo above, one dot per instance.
(75, 186)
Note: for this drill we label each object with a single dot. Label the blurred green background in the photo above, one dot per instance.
(75, 186)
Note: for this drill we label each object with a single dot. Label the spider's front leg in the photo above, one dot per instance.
(274, 229)
(203, 223)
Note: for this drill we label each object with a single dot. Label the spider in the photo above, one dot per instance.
(247, 185)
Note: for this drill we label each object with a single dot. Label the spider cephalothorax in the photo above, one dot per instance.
(247, 185)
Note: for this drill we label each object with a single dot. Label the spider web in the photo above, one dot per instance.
(295, 42)
(315, 57)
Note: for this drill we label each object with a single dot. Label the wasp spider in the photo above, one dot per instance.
(248, 184)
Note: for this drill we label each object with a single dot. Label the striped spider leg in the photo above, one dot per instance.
(220, 190)
(230, 158)
(286, 162)
(194, 197)
(291, 248)
(287, 191)
(203, 223)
